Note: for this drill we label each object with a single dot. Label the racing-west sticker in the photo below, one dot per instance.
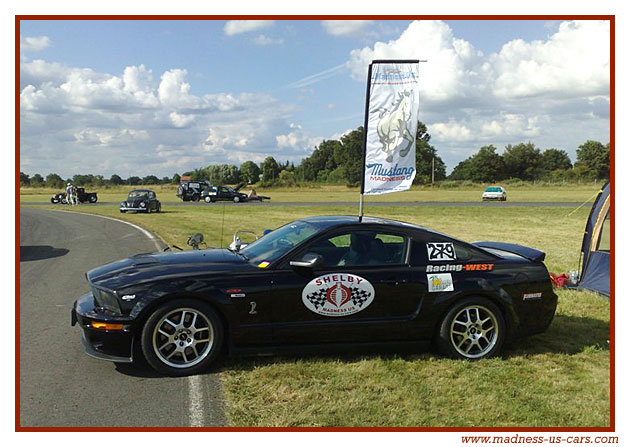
(440, 282)
(338, 294)
(441, 251)
(459, 267)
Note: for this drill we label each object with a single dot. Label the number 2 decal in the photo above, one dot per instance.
(252, 308)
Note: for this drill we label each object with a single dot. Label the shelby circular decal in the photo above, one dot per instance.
(338, 294)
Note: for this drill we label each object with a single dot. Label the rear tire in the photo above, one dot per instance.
(195, 198)
(236, 199)
(207, 199)
(182, 337)
(93, 199)
(474, 328)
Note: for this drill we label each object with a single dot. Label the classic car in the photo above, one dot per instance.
(141, 200)
(322, 283)
(84, 197)
(223, 193)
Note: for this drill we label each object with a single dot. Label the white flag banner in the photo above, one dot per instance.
(392, 121)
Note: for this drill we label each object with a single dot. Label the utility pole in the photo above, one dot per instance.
(433, 170)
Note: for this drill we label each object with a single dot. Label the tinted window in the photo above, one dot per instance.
(359, 248)
(604, 237)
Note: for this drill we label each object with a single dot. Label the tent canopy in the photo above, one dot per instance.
(595, 257)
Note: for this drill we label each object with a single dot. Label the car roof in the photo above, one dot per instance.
(141, 190)
(337, 221)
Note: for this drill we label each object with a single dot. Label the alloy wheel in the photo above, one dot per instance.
(474, 331)
(183, 338)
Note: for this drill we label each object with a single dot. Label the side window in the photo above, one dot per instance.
(436, 250)
(361, 248)
(604, 236)
(151, 195)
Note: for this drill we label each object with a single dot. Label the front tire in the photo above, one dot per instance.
(473, 329)
(93, 199)
(207, 199)
(182, 337)
(236, 199)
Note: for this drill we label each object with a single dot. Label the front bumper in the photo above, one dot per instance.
(491, 197)
(129, 208)
(111, 345)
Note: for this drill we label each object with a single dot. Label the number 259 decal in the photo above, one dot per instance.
(441, 251)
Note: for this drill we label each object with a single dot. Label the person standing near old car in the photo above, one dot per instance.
(69, 193)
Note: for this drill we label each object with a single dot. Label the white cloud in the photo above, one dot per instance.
(298, 140)
(345, 27)
(525, 91)
(233, 27)
(263, 40)
(572, 62)
(32, 44)
(131, 125)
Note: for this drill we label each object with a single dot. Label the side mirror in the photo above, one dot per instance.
(236, 243)
(309, 261)
(195, 240)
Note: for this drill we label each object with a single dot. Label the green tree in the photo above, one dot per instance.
(270, 169)
(115, 179)
(150, 180)
(593, 160)
(24, 179)
(425, 154)
(176, 178)
(348, 157)
(54, 181)
(554, 159)
(37, 180)
(483, 166)
(134, 180)
(250, 172)
(522, 161)
(165, 180)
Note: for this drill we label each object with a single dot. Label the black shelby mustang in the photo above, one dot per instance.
(320, 283)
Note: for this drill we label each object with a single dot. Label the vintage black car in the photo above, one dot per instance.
(223, 193)
(323, 283)
(84, 197)
(141, 200)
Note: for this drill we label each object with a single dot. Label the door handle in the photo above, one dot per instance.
(395, 281)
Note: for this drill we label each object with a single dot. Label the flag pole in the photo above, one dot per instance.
(365, 131)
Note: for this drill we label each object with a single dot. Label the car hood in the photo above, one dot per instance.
(148, 267)
(135, 201)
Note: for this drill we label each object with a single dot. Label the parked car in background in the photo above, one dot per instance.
(190, 191)
(141, 200)
(223, 193)
(84, 197)
(494, 193)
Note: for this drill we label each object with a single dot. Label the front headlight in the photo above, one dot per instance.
(142, 204)
(123, 203)
(106, 300)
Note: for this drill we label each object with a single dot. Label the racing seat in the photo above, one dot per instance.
(357, 254)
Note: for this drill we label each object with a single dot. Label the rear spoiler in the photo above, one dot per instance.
(529, 253)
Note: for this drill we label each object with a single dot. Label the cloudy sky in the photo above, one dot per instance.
(159, 97)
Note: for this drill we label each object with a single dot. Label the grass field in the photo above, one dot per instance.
(332, 193)
(559, 378)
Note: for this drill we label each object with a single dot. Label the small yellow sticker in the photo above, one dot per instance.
(263, 264)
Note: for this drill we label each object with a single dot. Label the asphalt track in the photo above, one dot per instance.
(367, 204)
(60, 386)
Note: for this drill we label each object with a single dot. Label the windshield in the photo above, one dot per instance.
(133, 194)
(493, 189)
(273, 245)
